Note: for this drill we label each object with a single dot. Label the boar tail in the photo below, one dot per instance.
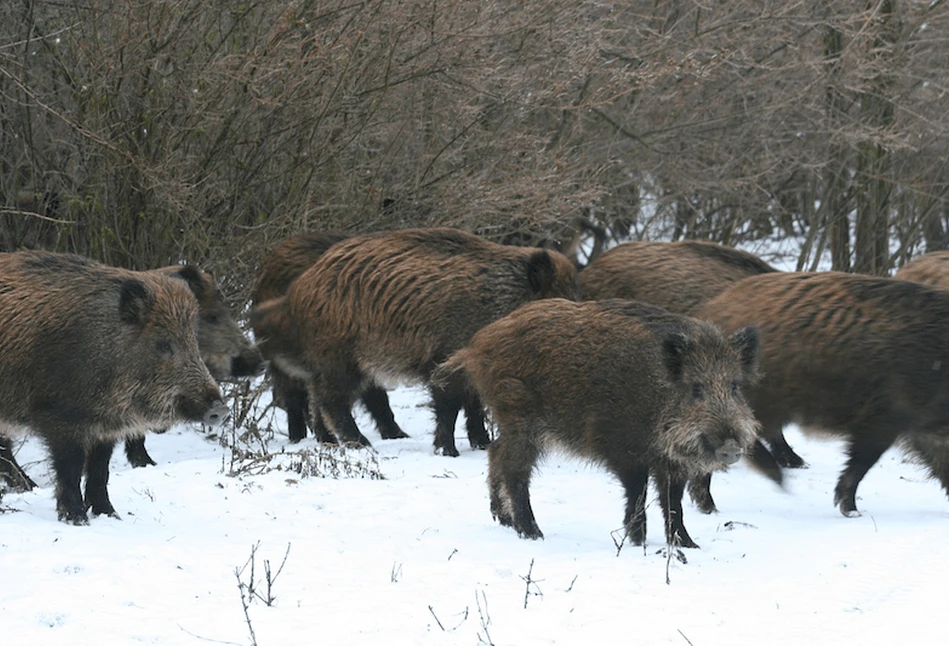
(449, 370)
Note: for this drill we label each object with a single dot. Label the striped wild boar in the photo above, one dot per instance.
(859, 357)
(678, 276)
(93, 354)
(634, 388)
(389, 307)
(277, 270)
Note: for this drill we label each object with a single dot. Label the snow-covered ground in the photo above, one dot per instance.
(416, 558)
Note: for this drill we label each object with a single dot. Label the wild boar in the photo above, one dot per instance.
(855, 356)
(930, 269)
(277, 270)
(677, 276)
(631, 387)
(93, 354)
(389, 307)
(225, 350)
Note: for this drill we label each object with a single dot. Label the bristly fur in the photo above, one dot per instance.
(858, 356)
(391, 306)
(633, 388)
(93, 354)
(678, 276)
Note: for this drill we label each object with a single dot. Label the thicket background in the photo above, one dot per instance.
(143, 132)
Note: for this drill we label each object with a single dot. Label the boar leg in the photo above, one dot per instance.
(97, 479)
(447, 403)
(511, 460)
(671, 489)
(864, 451)
(291, 393)
(500, 502)
(336, 413)
(136, 453)
(783, 453)
(474, 422)
(68, 459)
(376, 402)
(635, 483)
(932, 451)
(10, 470)
(700, 491)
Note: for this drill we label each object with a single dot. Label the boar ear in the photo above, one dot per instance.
(135, 302)
(196, 282)
(540, 271)
(675, 347)
(746, 341)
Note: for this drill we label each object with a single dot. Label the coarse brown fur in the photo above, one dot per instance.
(929, 269)
(861, 357)
(389, 307)
(678, 276)
(225, 350)
(93, 354)
(280, 267)
(632, 387)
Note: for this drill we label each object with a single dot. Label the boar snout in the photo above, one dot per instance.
(729, 453)
(216, 413)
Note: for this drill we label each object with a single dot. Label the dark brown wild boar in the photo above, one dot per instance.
(677, 276)
(860, 357)
(225, 350)
(277, 270)
(93, 354)
(631, 387)
(930, 269)
(389, 307)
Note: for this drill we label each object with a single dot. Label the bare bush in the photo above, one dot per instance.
(141, 132)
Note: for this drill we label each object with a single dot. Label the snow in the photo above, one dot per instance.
(417, 559)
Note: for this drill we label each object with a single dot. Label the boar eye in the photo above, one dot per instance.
(736, 388)
(212, 319)
(698, 392)
(165, 348)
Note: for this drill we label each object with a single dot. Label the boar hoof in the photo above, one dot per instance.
(702, 498)
(77, 518)
(850, 513)
(787, 458)
(448, 451)
(137, 455)
(792, 461)
(681, 538)
(394, 434)
(533, 533)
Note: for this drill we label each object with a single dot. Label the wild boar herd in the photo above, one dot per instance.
(662, 361)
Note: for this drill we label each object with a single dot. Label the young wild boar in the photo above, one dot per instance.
(224, 349)
(389, 307)
(930, 269)
(860, 357)
(277, 270)
(626, 385)
(93, 354)
(677, 276)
